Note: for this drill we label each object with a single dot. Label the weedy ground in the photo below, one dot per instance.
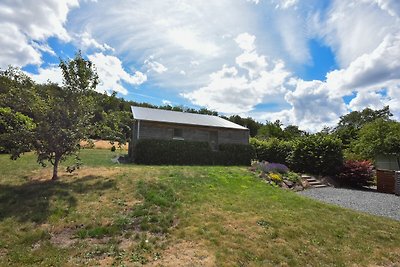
(129, 215)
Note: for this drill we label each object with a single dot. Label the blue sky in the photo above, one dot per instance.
(302, 62)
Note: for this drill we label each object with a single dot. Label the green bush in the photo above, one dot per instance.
(316, 154)
(176, 152)
(271, 150)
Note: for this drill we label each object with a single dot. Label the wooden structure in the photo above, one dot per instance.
(172, 125)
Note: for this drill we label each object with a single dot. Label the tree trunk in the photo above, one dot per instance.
(55, 169)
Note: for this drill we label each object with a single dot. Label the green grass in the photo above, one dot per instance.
(120, 214)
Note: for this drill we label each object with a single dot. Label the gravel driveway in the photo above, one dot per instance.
(367, 201)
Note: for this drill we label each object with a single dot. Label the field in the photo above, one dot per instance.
(128, 215)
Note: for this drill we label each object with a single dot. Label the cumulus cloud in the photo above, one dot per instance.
(365, 99)
(112, 74)
(86, 41)
(312, 107)
(155, 66)
(231, 92)
(23, 23)
(51, 73)
(380, 66)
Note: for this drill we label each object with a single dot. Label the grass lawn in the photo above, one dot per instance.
(127, 215)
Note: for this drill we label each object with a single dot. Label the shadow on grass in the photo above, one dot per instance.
(36, 201)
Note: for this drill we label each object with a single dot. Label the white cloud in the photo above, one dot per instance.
(178, 32)
(354, 28)
(190, 40)
(166, 102)
(313, 107)
(285, 4)
(24, 22)
(52, 73)
(112, 74)
(366, 99)
(246, 41)
(155, 66)
(254, 1)
(391, 6)
(86, 41)
(369, 70)
(231, 92)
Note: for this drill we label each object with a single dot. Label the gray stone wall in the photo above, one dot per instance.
(165, 131)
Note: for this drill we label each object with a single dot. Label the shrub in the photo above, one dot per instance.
(272, 150)
(292, 176)
(316, 154)
(356, 173)
(275, 177)
(176, 152)
(273, 167)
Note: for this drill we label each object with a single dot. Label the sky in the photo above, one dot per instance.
(303, 62)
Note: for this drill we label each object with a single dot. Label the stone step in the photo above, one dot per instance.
(319, 185)
(315, 183)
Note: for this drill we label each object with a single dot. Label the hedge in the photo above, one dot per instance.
(271, 150)
(177, 152)
(316, 154)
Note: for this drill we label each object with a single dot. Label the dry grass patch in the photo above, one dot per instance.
(185, 253)
(102, 144)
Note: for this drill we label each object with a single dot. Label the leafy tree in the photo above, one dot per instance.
(380, 137)
(17, 91)
(350, 124)
(271, 129)
(62, 115)
(66, 116)
(292, 131)
(16, 132)
(116, 126)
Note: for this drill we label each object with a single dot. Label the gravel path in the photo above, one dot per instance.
(387, 205)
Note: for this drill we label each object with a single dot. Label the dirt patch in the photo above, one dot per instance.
(64, 238)
(185, 254)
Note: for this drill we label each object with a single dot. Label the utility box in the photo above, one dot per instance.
(397, 183)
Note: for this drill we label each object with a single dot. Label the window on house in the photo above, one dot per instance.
(178, 134)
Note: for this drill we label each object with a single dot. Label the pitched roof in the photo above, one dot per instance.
(160, 115)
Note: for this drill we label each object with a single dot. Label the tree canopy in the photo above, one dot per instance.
(380, 137)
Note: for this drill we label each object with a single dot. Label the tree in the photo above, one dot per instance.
(62, 114)
(379, 137)
(16, 132)
(67, 112)
(292, 131)
(350, 124)
(271, 129)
